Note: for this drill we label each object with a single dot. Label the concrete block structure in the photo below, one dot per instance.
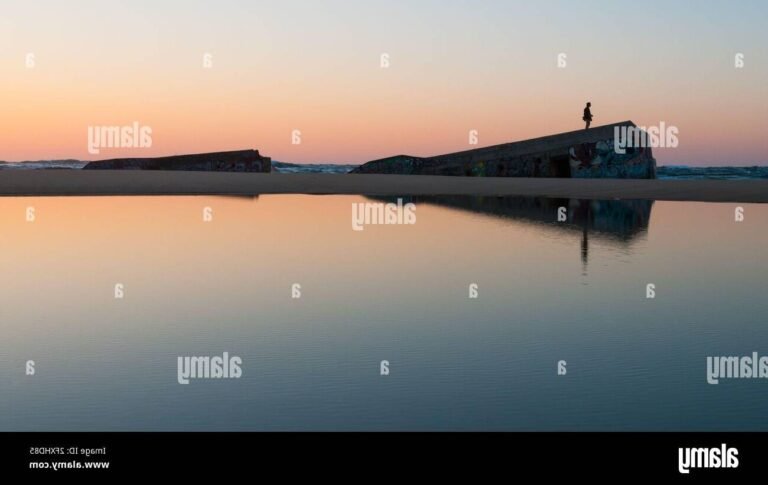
(234, 161)
(575, 154)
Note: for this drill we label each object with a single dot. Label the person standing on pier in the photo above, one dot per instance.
(587, 115)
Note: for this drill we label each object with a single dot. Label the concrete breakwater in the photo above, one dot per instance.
(233, 161)
(575, 154)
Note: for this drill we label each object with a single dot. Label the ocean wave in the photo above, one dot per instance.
(43, 165)
(679, 172)
(283, 167)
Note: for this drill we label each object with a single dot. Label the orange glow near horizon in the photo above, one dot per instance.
(277, 69)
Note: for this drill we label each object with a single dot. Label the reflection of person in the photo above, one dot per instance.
(587, 115)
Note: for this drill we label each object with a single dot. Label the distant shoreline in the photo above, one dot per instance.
(674, 172)
(140, 182)
(279, 167)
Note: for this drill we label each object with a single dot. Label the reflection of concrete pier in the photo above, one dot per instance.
(575, 154)
(616, 222)
(617, 219)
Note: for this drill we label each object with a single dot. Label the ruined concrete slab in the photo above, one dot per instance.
(232, 161)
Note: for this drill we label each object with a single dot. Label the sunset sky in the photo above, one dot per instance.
(314, 66)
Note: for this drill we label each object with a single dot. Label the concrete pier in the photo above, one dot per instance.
(574, 154)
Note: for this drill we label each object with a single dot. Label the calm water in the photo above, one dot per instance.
(548, 291)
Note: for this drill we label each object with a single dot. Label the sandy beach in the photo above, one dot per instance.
(135, 182)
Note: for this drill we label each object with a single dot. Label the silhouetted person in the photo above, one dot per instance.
(587, 115)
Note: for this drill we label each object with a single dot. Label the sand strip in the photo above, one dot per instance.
(136, 182)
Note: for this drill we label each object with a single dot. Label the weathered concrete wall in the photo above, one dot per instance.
(576, 154)
(234, 161)
(600, 160)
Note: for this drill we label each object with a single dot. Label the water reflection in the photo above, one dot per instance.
(617, 222)
(204, 286)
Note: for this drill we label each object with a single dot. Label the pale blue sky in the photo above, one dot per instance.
(455, 66)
